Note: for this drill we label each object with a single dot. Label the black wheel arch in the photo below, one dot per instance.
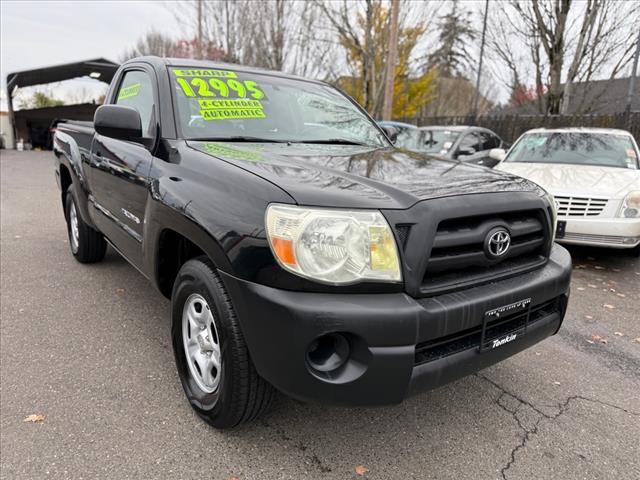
(172, 239)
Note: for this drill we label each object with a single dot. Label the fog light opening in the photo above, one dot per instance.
(328, 353)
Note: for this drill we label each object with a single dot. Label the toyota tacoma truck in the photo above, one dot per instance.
(301, 251)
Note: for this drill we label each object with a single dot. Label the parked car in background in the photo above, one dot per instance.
(403, 135)
(469, 144)
(594, 175)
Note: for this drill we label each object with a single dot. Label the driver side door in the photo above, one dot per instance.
(120, 169)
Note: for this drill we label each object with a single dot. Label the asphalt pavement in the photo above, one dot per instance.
(88, 348)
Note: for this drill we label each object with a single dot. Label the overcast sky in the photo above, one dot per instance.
(43, 33)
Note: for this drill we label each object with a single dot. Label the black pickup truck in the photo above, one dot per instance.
(300, 249)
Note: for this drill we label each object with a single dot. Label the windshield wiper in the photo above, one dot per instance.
(239, 138)
(334, 141)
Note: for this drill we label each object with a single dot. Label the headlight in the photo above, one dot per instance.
(333, 246)
(554, 212)
(631, 205)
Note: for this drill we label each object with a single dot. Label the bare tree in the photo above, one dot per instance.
(273, 34)
(566, 42)
(354, 33)
(152, 43)
(361, 32)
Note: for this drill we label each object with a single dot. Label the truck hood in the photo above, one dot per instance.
(360, 177)
(577, 180)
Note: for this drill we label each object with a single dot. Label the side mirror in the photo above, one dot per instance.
(497, 154)
(118, 121)
(390, 132)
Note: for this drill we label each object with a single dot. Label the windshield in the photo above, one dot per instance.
(438, 141)
(577, 148)
(220, 104)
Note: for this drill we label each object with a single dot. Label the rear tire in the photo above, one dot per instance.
(213, 362)
(87, 245)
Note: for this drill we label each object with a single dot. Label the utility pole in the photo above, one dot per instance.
(476, 94)
(392, 59)
(632, 82)
(199, 29)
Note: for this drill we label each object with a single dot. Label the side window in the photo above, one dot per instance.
(495, 141)
(470, 140)
(136, 90)
(489, 141)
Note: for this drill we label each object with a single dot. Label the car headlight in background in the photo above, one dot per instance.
(631, 205)
(333, 246)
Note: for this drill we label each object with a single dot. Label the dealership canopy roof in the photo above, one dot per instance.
(98, 68)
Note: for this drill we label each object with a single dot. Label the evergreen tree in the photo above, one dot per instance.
(451, 58)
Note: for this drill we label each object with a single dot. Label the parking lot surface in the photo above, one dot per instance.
(88, 348)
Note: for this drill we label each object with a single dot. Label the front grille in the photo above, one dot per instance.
(467, 339)
(458, 257)
(588, 237)
(580, 206)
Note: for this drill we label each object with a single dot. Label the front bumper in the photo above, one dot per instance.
(280, 325)
(603, 232)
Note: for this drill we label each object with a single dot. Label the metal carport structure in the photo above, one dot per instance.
(99, 69)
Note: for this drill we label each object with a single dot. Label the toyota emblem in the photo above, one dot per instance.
(497, 243)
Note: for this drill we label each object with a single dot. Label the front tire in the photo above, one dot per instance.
(87, 245)
(212, 358)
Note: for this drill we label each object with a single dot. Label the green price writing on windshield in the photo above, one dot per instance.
(224, 86)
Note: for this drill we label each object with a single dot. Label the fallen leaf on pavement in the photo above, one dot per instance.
(598, 338)
(556, 383)
(34, 418)
(581, 288)
(361, 469)
(621, 295)
(588, 317)
(610, 307)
